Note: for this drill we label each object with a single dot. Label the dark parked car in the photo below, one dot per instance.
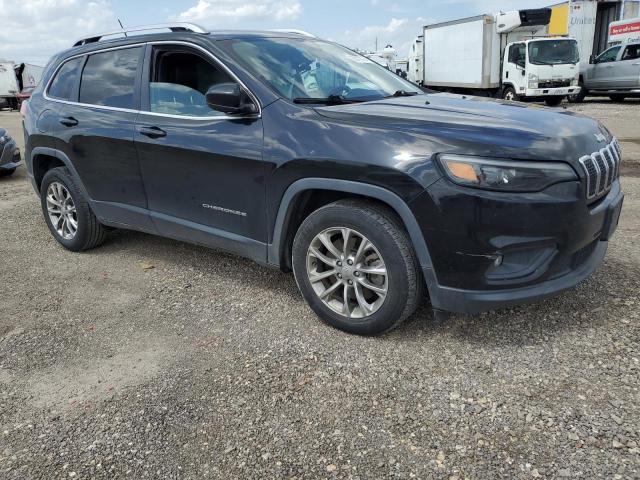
(9, 154)
(301, 154)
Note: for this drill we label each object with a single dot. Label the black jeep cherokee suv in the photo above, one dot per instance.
(299, 153)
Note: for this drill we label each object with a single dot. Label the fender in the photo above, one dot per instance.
(364, 189)
(52, 152)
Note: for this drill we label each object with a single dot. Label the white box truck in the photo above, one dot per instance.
(8, 85)
(29, 75)
(506, 54)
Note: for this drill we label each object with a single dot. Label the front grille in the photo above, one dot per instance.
(602, 168)
(554, 84)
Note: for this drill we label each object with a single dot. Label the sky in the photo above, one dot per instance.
(33, 30)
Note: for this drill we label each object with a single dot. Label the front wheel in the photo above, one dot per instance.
(355, 266)
(578, 97)
(509, 93)
(553, 101)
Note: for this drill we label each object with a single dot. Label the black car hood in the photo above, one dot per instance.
(478, 125)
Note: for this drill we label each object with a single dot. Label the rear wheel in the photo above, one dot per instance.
(67, 212)
(617, 98)
(509, 93)
(553, 101)
(355, 266)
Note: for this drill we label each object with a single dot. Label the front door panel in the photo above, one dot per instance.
(206, 172)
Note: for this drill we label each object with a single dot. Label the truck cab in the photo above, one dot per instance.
(541, 68)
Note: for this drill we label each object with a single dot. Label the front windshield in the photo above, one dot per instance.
(553, 52)
(310, 69)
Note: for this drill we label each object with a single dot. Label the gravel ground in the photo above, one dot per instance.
(149, 358)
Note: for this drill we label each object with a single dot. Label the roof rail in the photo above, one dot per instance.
(294, 31)
(174, 27)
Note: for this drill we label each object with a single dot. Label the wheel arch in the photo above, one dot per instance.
(285, 222)
(44, 159)
(506, 85)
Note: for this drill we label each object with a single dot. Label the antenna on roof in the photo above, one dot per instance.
(122, 27)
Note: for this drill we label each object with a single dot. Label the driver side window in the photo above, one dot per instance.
(517, 54)
(179, 82)
(608, 56)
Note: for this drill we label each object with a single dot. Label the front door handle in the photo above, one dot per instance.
(69, 121)
(152, 132)
(637, 63)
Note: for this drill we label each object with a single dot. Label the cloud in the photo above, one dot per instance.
(222, 12)
(399, 32)
(33, 30)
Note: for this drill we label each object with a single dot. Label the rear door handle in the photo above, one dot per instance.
(637, 63)
(152, 132)
(69, 121)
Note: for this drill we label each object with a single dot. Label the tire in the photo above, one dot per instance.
(89, 232)
(553, 101)
(509, 93)
(7, 172)
(578, 97)
(617, 98)
(392, 251)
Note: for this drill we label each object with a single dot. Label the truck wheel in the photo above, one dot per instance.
(553, 101)
(67, 212)
(509, 93)
(578, 97)
(617, 98)
(356, 268)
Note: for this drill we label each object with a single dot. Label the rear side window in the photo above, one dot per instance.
(109, 78)
(631, 52)
(63, 85)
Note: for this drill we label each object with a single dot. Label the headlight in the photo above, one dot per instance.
(507, 175)
(2, 140)
(533, 80)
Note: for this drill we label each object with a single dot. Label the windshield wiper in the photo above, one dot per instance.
(330, 100)
(402, 93)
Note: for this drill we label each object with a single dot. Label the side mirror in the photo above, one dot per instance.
(230, 98)
(592, 59)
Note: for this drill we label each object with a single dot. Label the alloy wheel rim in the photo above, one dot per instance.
(62, 211)
(347, 272)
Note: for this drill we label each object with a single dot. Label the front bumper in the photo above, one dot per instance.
(551, 92)
(492, 250)
(9, 155)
